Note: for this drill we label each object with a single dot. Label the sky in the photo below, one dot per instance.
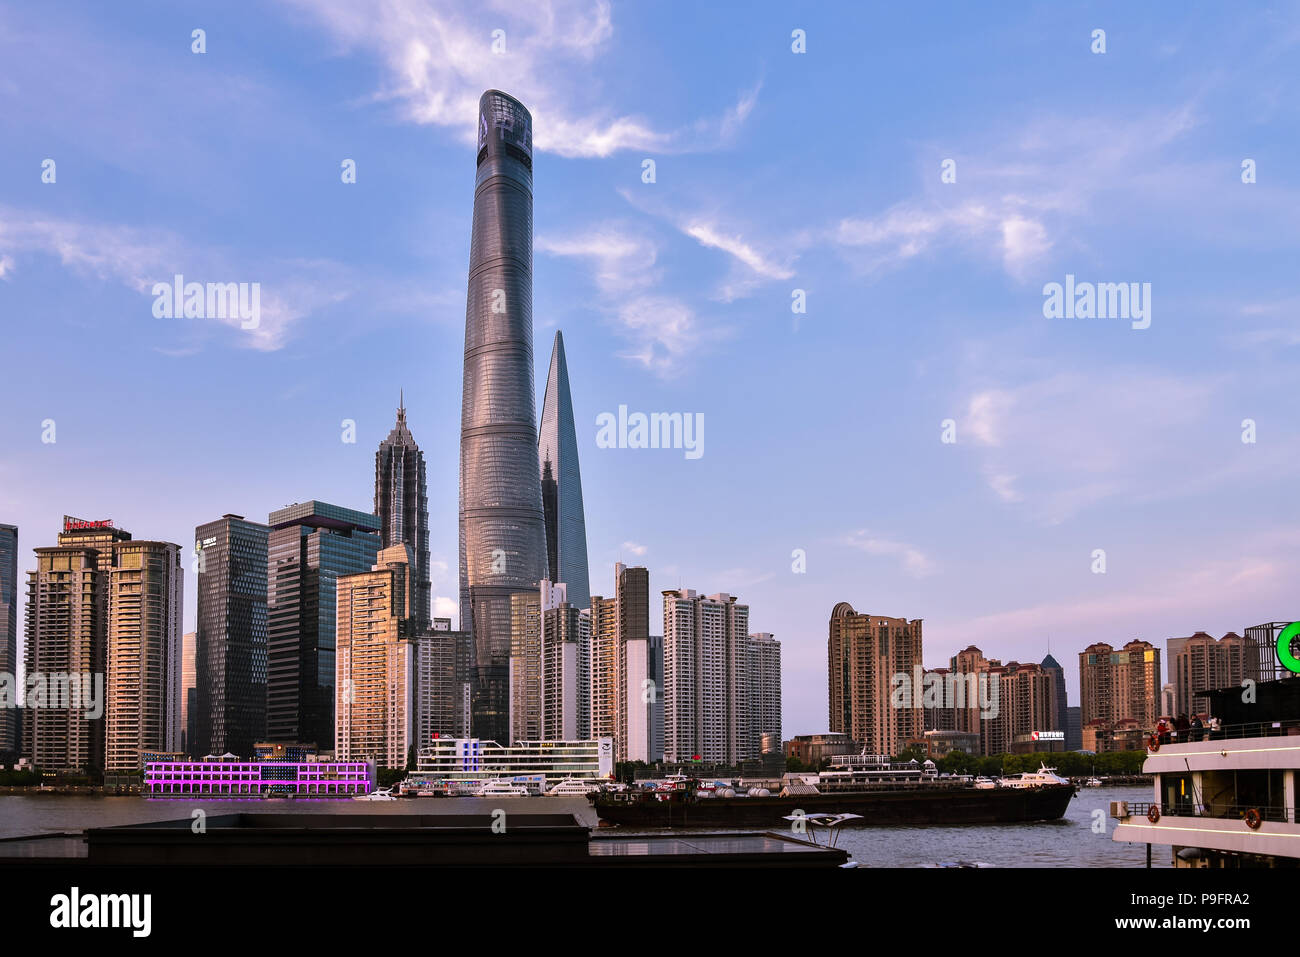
(916, 176)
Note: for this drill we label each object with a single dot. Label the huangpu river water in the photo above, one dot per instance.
(1070, 842)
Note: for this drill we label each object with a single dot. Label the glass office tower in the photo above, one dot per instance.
(502, 530)
(311, 545)
(557, 449)
(230, 643)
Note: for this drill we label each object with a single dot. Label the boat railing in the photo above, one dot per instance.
(1240, 812)
(1254, 729)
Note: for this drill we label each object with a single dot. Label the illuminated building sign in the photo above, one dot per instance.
(1048, 735)
(76, 524)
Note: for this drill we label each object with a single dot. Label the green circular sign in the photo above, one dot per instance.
(1289, 661)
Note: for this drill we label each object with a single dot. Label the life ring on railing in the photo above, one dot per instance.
(1153, 744)
(1153, 815)
(1253, 819)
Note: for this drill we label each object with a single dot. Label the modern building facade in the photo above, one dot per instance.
(143, 681)
(230, 654)
(67, 635)
(190, 693)
(707, 690)
(502, 521)
(442, 662)
(9, 630)
(375, 667)
(302, 778)
(764, 689)
(462, 765)
(864, 653)
(1201, 663)
(621, 696)
(526, 663)
(311, 545)
(1120, 685)
(564, 647)
(557, 451)
(1053, 667)
(402, 504)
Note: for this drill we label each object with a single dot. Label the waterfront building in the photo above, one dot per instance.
(502, 522)
(972, 676)
(812, 749)
(442, 663)
(557, 451)
(9, 739)
(1053, 668)
(189, 693)
(1118, 685)
(311, 544)
(402, 504)
(764, 682)
(620, 664)
(1200, 663)
(526, 663)
(230, 644)
(67, 634)
(296, 777)
(940, 742)
(707, 679)
(864, 654)
(1027, 706)
(463, 764)
(145, 585)
(564, 641)
(375, 676)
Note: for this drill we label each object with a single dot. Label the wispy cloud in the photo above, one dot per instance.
(440, 57)
(912, 560)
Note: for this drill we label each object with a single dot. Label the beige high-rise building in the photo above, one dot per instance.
(864, 653)
(1121, 685)
(526, 664)
(620, 664)
(1200, 663)
(375, 678)
(145, 605)
(973, 678)
(1026, 703)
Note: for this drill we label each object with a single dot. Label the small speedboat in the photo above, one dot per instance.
(380, 794)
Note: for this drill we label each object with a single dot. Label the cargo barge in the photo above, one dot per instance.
(869, 786)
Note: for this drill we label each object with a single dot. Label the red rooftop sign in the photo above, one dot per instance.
(74, 524)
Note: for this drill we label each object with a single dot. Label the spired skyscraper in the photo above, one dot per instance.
(402, 504)
(557, 449)
(502, 522)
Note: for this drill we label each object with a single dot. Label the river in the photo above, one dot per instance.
(1070, 842)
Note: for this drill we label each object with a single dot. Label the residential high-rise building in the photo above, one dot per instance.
(442, 708)
(764, 689)
(502, 521)
(557, 450)
(230, 645)
(190, 693)
(1124, 685)
(67, 634)
(143, 683)
(1200, 663)
(657, 705)
(402, 504)
(311, 545)
(864, 653)
(970, 688)
(526, 664)
(1167, 701)
(620, 664)
(1026, 704)
(564, 639)
(8, 630)
(706, 691)
(375, 667)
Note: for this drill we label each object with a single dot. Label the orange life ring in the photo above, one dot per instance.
(1153, 744)
(1153, 815)
(1253, 819)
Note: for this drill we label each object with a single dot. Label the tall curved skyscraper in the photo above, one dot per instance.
(557, 448)
(502, 523)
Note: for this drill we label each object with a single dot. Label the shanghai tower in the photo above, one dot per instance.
(502, 522)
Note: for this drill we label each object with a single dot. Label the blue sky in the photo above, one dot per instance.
(775, 171)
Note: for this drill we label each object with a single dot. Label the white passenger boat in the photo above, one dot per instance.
(574, 787)
(502, 789)
(1033, 779)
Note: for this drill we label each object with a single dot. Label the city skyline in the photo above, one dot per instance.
(1070, 437)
